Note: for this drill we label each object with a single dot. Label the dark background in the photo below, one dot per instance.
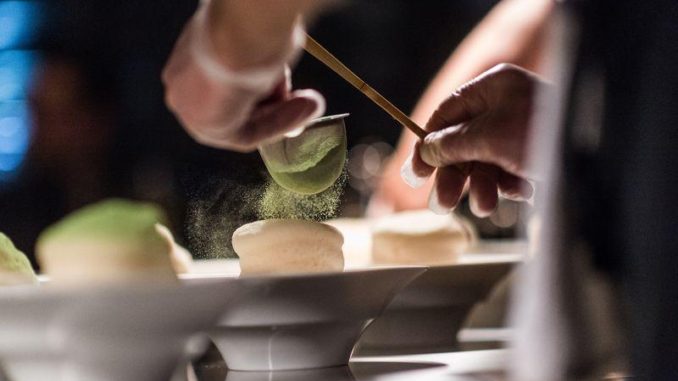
(99, 127)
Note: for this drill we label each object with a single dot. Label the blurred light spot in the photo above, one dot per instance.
(14, 136)
(9, 127)
(18, 22)
(11, 135)
(16, 69)
(9, 163)
(371, 160)
(365, 164)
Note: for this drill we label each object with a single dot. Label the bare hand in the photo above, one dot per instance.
(478, 140)
(227, 99)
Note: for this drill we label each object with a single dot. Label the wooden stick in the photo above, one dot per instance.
(324, 56)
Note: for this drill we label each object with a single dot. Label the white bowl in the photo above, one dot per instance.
(219, 372)
(30, 346)
(305, 321)
(132, 332)
(427, 314)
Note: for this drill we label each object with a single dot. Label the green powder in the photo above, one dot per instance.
(304, 152)
(216, 212)
(223, 205)
(12, 260)
(307, 178)
(114, 218)
(278, 202)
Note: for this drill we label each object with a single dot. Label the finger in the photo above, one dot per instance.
(415, 171)
(282, 89)
(514, 188)
(447, 190)
(271, 121)
(483, 189)
(466, 103)
(313, 97)
(453, 145)
(279, 93)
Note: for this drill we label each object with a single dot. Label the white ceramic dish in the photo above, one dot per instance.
(427, 314)
(30, 347)
(307, 321)
(135, 332)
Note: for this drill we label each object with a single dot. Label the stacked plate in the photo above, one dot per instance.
(261, 323)
(427, 315)
(302, 322)
(140, 331)
(135, 332)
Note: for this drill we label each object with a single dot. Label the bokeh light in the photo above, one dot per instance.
(19, 21)
(19, 24)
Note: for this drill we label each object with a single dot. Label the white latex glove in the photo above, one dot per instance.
(234, 109)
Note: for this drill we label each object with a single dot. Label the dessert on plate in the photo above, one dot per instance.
(109, 241)
(15, 268)
(419, 237)
(288, 246)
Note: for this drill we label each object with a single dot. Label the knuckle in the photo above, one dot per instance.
(506, 67)
(502, 67)
(171, 100)
(436, 121)
(430, 153)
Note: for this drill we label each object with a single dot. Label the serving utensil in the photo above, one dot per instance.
(323, 55)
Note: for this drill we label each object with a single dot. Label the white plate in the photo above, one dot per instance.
(427, 314)
(303, 321)
(132, 332)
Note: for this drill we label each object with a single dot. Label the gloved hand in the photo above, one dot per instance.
(237, 109)
(478, 136)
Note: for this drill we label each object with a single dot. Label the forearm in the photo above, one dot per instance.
(230, 56)
(511, 32)
(258, 33)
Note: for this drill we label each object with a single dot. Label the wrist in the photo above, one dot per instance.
(247, 34)
(223, 63)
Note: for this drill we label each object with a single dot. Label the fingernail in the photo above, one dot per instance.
(426, 154)
(513, 196)
(310, 111)
(318, 103)
(409, 177)
(529, 192)
(530, 200)
(318, 111)
(434, 203)
(475, 209)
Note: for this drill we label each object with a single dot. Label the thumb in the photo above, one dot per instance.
(271, 121)
(313, 99)
(453, 145)
(464, 104)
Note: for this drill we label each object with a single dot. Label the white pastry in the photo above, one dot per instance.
(288, 246)
(419, 237)
(110, 241)
(181, 258)
(15, 268)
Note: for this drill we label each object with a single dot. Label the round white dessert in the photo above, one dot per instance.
(288, 246)
(419, 237)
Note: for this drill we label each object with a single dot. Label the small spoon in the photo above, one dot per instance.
(311, 161)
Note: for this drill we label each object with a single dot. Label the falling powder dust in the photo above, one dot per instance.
(214, 213)
(278, 202)
(223, 206)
